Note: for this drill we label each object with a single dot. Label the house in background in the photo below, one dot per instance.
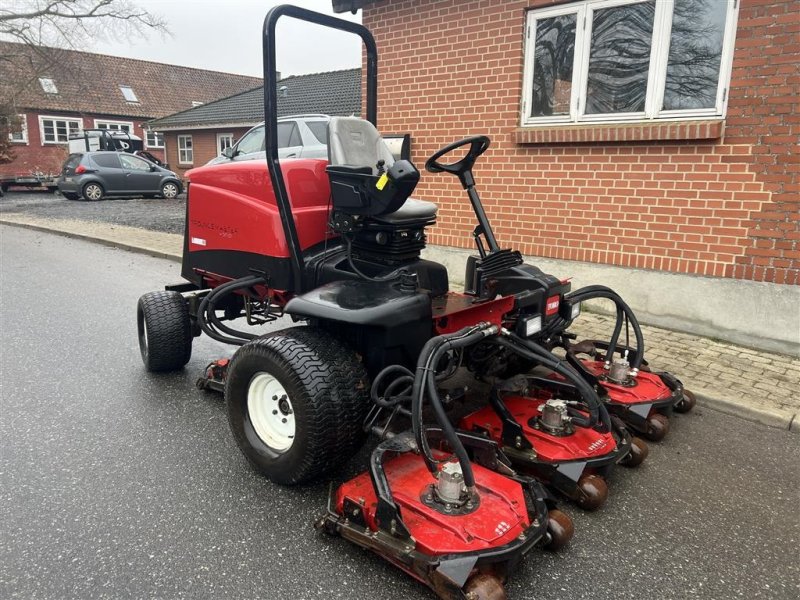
(195, 136)
(648, 145)
(57, 92)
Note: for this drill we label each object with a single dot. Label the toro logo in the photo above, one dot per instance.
(551, 307)
(597, 445)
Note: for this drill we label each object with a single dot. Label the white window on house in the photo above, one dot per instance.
(48, 85)
(115, 125)
(196, 103)
(128, 93)
(18, 131)
(185, 150)
(154, 139)
(224, 140)
(56, 130)
(628, 60)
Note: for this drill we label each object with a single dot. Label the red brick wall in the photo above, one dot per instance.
(48, 158)
(725, 207)
(204, 142)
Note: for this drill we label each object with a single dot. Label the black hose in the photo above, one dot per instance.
(601, 291)
(389, 277)
(207, 308)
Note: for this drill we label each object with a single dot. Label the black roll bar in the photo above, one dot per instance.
(271, 113)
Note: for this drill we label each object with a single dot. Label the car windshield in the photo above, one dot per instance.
(252, 141)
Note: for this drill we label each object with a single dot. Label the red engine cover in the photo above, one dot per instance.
(584, 443)
(232, 206)
(501, 517)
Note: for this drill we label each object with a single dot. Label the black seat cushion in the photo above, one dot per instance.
(412, 211)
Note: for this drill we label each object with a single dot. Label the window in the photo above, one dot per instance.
(56, 130)
(196, 103)
(185, 151)
(618, 60)
(48, 85)
(108, 160)
(134, 163)
(18, 130)
(224, 140)
(320, 130)
(154, 139)
(128, 93)
(114, 125)
(253, 141)
(288, 135)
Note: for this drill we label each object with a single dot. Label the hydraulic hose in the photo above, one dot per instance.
(388, 277)
(533, 351)
(207, 309)
(601, 291)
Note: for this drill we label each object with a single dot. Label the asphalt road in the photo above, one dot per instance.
(155, 214)
(119, 484)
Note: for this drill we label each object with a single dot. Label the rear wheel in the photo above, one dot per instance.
(92, 191)
(296, 402)
(170, 190)
(165, 333)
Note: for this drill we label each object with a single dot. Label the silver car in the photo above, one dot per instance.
(299, 136)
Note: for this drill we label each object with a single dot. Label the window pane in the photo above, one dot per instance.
(109, 160)
(285, 131)
(695, 50)
(619, 58)
(320, 130)
(134, 163)
(552, 66)
(252, 142)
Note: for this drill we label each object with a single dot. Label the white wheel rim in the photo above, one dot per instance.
(93, 192)
(170, 191)
(271, 412)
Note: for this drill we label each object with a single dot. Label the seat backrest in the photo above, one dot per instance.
(356, 143)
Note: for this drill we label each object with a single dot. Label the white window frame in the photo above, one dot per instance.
(656, 81)
(135, 98)
(48, 85)
(113, 125)
(43, 118)
(148, 145)
(220, 137)
(184, 151)
(23, 121)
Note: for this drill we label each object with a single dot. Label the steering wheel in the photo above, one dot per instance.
(478, 144)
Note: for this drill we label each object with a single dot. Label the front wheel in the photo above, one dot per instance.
(165, 331)
(296, 401)
(170, 190)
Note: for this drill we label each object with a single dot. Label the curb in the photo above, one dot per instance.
(772, 418)
(97, 240)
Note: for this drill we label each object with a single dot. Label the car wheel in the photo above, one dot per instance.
(170, 190)
(92, 191)
(69, 196)
(296, 401)
(165, 331)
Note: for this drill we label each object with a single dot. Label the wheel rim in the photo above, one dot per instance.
(93, 192)
(143, 341)
(271, 412)
(170, 190)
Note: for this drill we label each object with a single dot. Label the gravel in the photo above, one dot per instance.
(154, 214)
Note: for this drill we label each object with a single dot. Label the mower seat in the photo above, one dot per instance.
(358, 160)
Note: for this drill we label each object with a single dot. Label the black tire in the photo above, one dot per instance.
(69, 196)
(170, 190)
(92, 191)
(327, 388)
(165, 332)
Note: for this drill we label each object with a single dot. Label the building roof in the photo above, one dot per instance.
(335, 93)
(90, 83)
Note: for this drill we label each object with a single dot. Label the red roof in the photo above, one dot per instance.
(90, 83)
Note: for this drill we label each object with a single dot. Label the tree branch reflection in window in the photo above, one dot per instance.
(552, 70)
(695, 51)
(619, 58)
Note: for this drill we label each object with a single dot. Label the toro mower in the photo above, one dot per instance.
(337, 246)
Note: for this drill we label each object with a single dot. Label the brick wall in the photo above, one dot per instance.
(204, 142)
(34, 156)
(721, 201)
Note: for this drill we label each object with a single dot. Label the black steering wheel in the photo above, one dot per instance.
(478, 144)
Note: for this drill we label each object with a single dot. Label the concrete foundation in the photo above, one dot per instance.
(759, 315)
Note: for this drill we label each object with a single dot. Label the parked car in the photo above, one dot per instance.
(299, 136)
(93, 175)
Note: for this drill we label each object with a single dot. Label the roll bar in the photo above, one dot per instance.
(271, 113)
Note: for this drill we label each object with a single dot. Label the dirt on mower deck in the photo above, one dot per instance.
(154, 214)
